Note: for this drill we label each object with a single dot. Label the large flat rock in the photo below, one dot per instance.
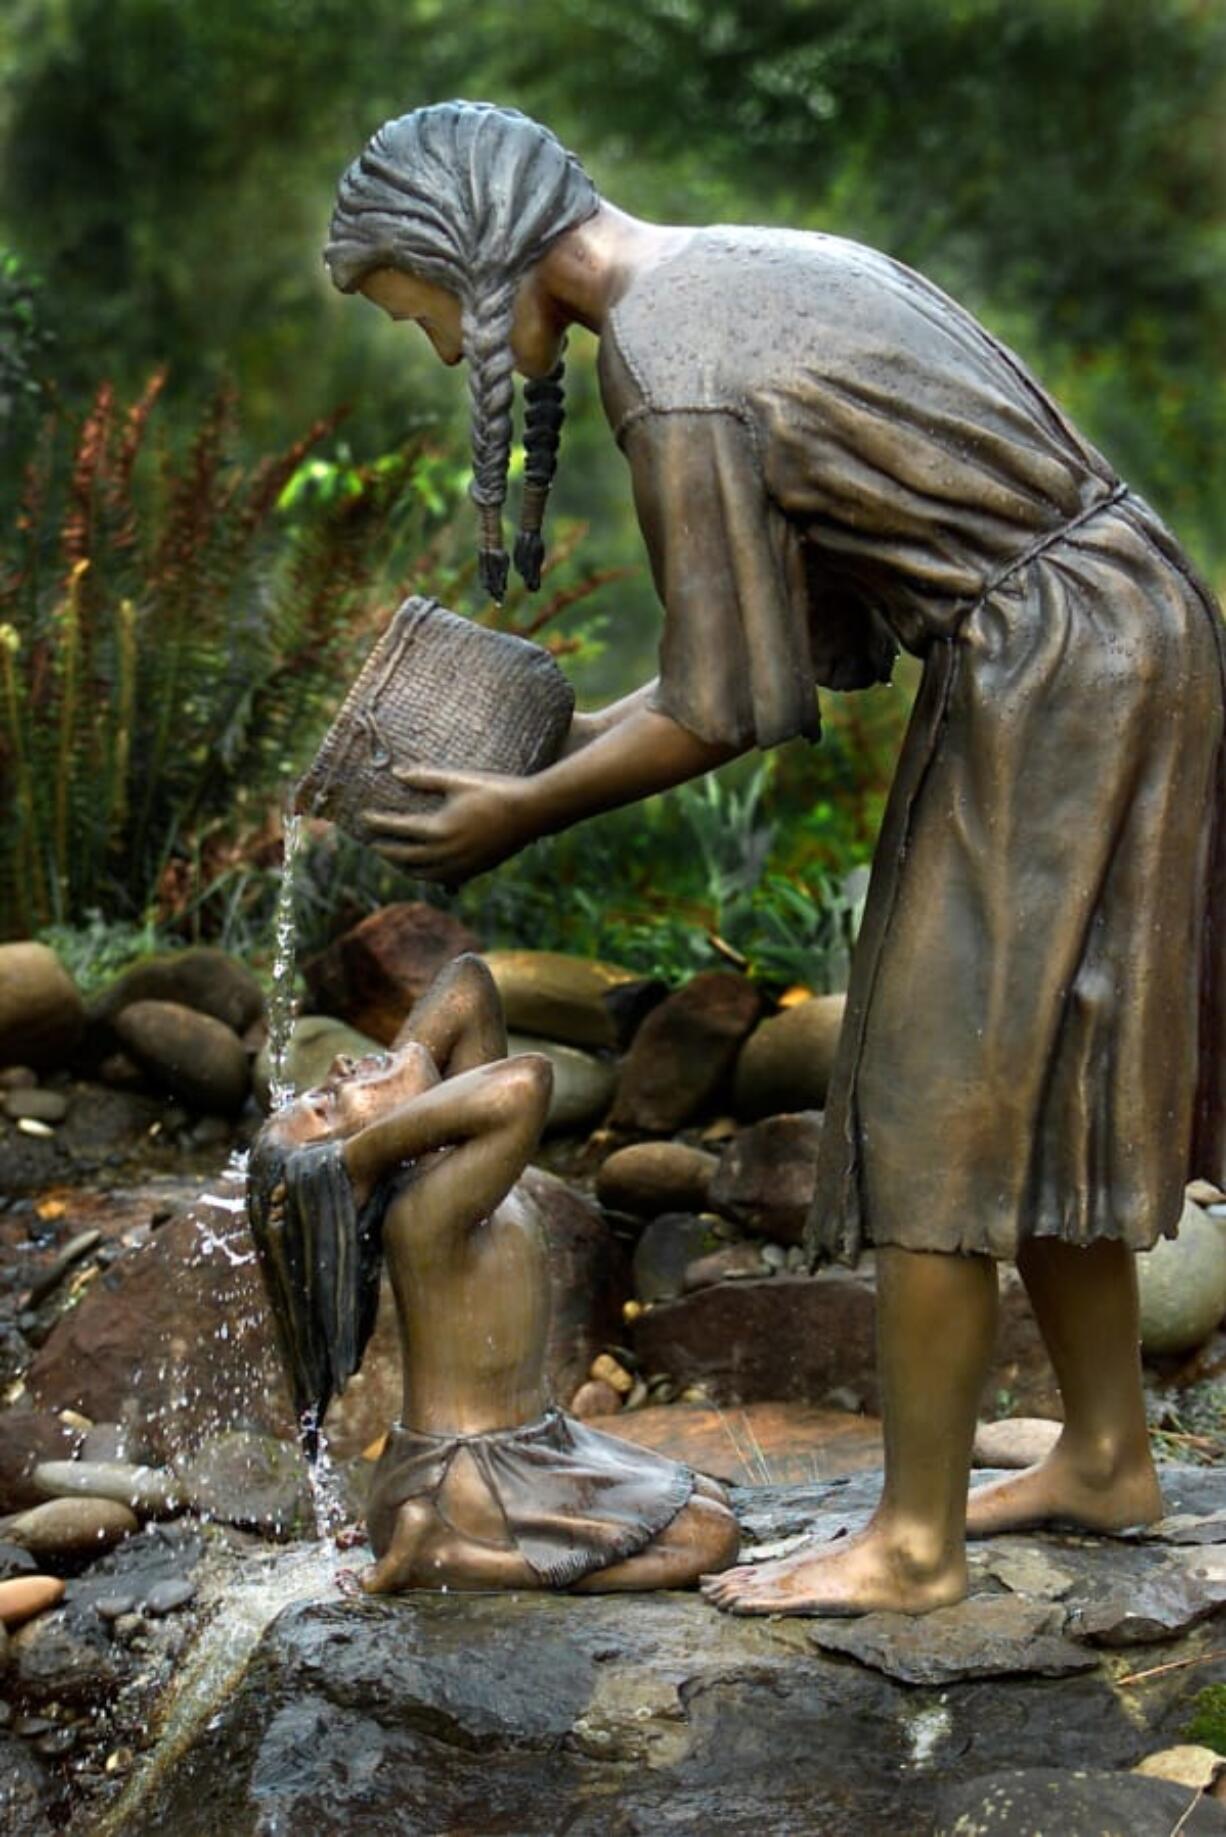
(503, 1714)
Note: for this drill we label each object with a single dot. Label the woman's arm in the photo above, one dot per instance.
(585, 728)
(486, 816)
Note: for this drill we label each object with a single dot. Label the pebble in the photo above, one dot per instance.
(17, 1078)
(113, 1607)
(165, 1597)
(606, 1369)
(1186, 1765)
(595, 1398)
(30, 1125)
(51, 1277)
(72, 1527)
(31, 1727)
(27, 1595)
(1017, 1441)
(59, 1741)
(57, 1660)
(151, 1492)
(774, 1256)
(32, 1101)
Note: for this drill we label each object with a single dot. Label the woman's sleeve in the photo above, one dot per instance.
(735, 660)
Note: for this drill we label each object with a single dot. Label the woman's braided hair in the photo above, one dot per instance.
(470, 196)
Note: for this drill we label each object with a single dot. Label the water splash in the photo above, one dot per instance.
(327, 1497)
(281, 1005)
(244, 1605)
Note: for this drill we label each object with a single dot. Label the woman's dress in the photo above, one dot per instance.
(831, 459)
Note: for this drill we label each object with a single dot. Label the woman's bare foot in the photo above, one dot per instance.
(872, 1572)
(1097, 1489)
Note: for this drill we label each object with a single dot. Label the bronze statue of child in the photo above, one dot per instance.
(831, 460)
(412, 1157)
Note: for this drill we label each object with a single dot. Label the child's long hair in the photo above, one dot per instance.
(470, 196)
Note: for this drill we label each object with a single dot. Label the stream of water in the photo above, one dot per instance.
(281, 1004)
(246, 1604)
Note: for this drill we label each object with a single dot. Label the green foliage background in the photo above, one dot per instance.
(1058, 164)
(166, 171)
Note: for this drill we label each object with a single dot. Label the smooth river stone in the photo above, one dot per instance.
(582, 1083)
(1182, 1284)
(650, 1178)
(151, 1492)
(194, 1057)
(41, 1013)
(72, 1527)
(573, 999)
(786, 1063)
(27, 1595)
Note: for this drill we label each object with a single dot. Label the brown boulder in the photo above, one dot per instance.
(41, 1013)
(767, 1174)
(204, 978)
(649, 1178)
(193, 1057)
(786, 1063)
(762, 1444)
(176, 1335)
(573, 999)
(372, 975)
(811, 1338)
(683, 1052)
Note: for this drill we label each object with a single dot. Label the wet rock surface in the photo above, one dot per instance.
(1088, 1803)
(635, 1714)
(1182, 1284)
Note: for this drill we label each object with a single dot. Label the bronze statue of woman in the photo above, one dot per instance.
(830, 459)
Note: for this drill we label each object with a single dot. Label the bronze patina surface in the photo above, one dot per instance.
(483, 1484)
(831, 459)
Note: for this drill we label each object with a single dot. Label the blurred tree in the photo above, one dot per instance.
(1055, 163)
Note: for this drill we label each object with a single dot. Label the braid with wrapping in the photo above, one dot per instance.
(491, 389)
(544, 413)
(470, 196)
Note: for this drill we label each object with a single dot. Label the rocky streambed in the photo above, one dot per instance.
(1071, 1664)
(190, 1663)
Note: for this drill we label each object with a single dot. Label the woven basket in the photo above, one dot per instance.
(436, 690)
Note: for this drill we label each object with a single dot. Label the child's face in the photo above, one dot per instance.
(357, 1092)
